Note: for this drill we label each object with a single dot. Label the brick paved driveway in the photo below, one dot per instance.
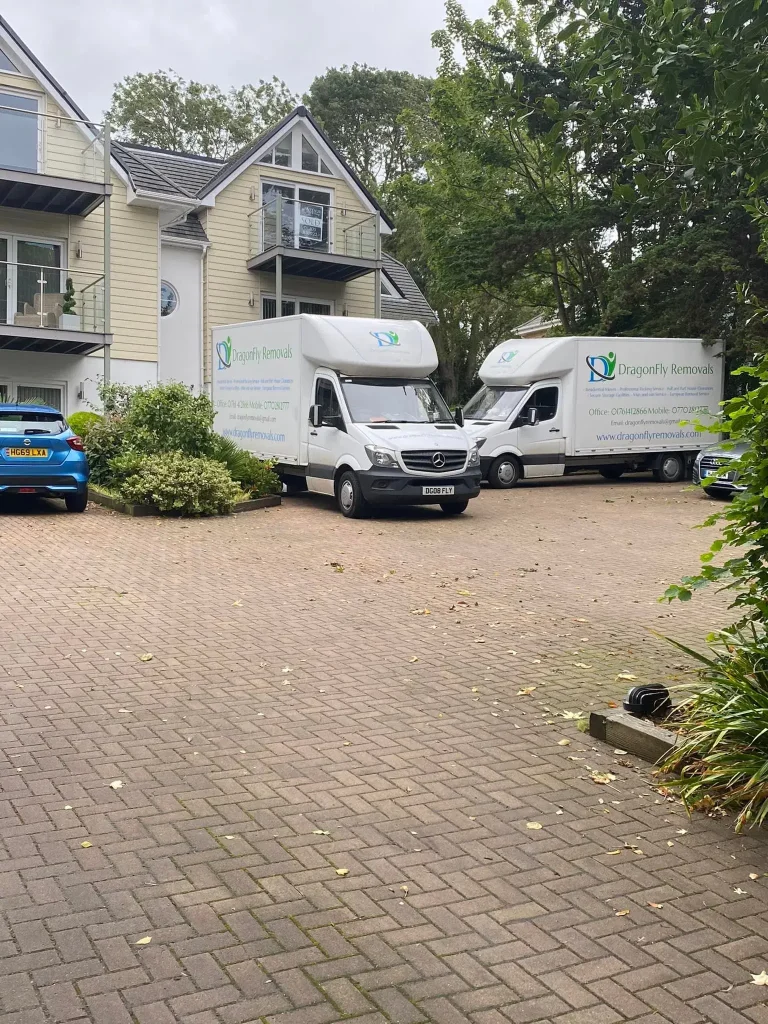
(296, 719)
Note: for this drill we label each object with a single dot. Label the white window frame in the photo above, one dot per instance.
(297, 299)
(13, 70)
(296, 185)
(13, 242)
(389, 289)
(13, 91)
(58, 385)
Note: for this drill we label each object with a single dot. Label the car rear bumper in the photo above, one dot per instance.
(393, 487)
(52, 485)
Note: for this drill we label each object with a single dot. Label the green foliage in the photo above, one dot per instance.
(104, 442)
(162, 109)
(744, 521)
(167, 418)
(68, 305)
(723, 758)
(363, 111)
(83, 422)
(253, 475)
(177, 483)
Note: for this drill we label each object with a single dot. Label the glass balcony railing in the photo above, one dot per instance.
(50, 144)
(51, 297)
(312, 227)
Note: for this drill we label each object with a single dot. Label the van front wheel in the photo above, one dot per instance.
(349, 496)
(504, 472)
(453, 508)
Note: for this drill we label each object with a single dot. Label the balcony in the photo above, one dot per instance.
(311, 239)
(51, 309)
(50, 163)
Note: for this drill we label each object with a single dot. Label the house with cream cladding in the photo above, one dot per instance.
(118, 260)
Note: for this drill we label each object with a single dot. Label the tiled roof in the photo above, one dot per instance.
(184, 173)
(412, 305)
(189, 230)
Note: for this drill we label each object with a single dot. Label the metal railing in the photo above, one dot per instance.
(313, 227)
(55, 298)
(59, 150)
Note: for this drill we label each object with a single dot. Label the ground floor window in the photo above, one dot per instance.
(292, 306)
(33, 394)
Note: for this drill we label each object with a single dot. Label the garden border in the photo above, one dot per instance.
(637, 736)
(131, 509)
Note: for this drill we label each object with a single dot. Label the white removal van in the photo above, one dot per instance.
(553, 406)
(344, 406)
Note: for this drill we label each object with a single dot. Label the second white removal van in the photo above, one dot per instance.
(345, 407)
(553, 406)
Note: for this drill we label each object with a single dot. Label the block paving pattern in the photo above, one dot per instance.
(328, 696)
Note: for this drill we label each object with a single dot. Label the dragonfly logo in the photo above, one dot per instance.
(386, 339)
(507, 357)
(224, 352)
(602, 367)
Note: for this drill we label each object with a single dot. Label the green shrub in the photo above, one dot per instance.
(106, 441)
(169, 418)
(176, 482)
(723, 759)
(83, 422)
(254, 475)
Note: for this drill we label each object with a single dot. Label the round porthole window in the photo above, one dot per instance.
(169, 298)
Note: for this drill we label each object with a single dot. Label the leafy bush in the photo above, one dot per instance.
(255, 476)
(723, 759)
(106, 441)
(83, 422)
(176, 482)
(745, 518)
(169, 418)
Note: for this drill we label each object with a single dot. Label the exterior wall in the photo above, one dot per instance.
(135, 233)
(181, 332)
(69, 372)
(229, 285)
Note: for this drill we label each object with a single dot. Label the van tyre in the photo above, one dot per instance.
(349, 496)
(670, 469)
(504, 472)
(453, 508)
(612, 472)
(76, 502)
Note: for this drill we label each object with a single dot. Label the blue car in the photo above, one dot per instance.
(40, 454)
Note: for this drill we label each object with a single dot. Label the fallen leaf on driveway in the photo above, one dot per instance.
(342, 871)
(580, 664)
(237, 604)
(337, 567)
(420, 611)
(404, 888)
(525, 691)
(682, 831)
(740, 892)
(626, 675)
(754, 877)
(464, 593)
(146, 657)
(563, 743)
(475, 689)
(86, 845)
(573, 716)
(413, 659)
(602, 778)
(320, 832)
(534, 825)
(612, 853)
(760, 979)
(117, 784)
(656, 906)
(621, 913)
(145, 941)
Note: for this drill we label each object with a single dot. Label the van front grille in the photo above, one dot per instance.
(434, 461)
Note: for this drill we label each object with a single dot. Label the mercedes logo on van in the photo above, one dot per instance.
(438, 460)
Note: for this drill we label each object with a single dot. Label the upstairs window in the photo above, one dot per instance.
(19, 131)
(311, 159)
(281, 154)
(6, 64)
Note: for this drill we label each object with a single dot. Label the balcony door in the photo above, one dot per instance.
(31, 281)
(305, 217)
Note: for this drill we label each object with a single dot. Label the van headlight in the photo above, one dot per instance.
(381, 457)
(474, 456)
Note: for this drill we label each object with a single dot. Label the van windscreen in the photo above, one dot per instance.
(493, 403)
(383, 400)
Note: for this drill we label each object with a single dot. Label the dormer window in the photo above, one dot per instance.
(281, 154)
(6, 64)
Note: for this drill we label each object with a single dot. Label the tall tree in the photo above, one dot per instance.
(162, 109)
(363, 110)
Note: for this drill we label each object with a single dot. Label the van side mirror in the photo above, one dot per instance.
(459, 417)
(533, 417)
(316, 415)
(334, 420)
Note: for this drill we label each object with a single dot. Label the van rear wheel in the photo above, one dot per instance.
(612, 472)
(670, 469)
(504, 472)
(349, 496)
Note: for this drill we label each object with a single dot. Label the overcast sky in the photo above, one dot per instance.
(91, 44)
